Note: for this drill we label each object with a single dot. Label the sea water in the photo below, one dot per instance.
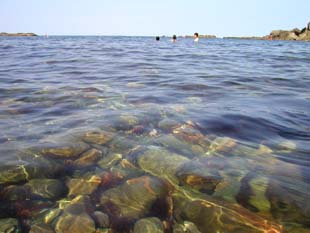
(224, 122)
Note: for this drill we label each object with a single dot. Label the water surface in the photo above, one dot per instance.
(236, 109)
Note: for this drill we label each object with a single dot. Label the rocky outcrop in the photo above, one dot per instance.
(17, 34)
(294, 34)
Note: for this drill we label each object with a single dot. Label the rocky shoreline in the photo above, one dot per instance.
(294, 34)
(17, 34)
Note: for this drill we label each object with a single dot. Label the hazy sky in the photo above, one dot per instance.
(152, 17)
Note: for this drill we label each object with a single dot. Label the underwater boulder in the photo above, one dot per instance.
(75, 217)
(148, 225)
(51, 189)
(185, 227)
(134, 198)
(160, 162)
(213, 216)
(83, 186)
(9, 225)
(101, 219)
(88, 158)
(198, 176)
(99, 137)
(64, 150)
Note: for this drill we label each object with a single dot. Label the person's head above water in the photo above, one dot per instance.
(174, 38)
(196, 36)
(157, 38)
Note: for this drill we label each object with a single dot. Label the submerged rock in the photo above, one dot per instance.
(125, 122)
(186, 227)
(188, 133)
(9, 225)
(252, 193)
(221, 145)
(98, 137)
(46, 188)
(77, 223)
(13, 174)
(75, 217)
(110, 160)
(126, 170)
(101, 219)
(289, 200)
(31, 167)
(176, 145)
(160, 162)
(148, 225)
(40, 228)
(65, 151)
(168, 125)
(120, 144)
(80, 186)
(210, 216)
(134, 198)
(88, 158)
(14, 193)
(52, 215)
(198, 177)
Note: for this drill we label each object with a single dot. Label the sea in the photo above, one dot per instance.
(155, 136)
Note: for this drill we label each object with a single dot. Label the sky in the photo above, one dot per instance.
(152, 17)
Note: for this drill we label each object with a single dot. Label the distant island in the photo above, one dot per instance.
(294, 34)
(17, 34)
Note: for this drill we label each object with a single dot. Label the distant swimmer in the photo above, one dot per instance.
(174, 38)
(157, 38)
(196, 37)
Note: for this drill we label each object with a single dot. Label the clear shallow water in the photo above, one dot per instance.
(248, 101)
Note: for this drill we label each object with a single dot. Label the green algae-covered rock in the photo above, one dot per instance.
(121, 144)
(40, 228)
(52, 215)
(9, 225)
(75, 217)
(101, 219)
(176, 145)
(228, 189)
(126, 170)
(14, 193)
(29, 168)
(186, 227)
(81, 186)
(46, 188)
(188, 133)
(211, 216)
(13, 174)
(289, 200)
(88, 158)
(134, 198)
(77, 223)
(148, 225)
(168, 125)
(99, 137)
(160, 162)
(253, 193)
(221, 145)
(198, 176)
(110, 160)
(64, 150)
